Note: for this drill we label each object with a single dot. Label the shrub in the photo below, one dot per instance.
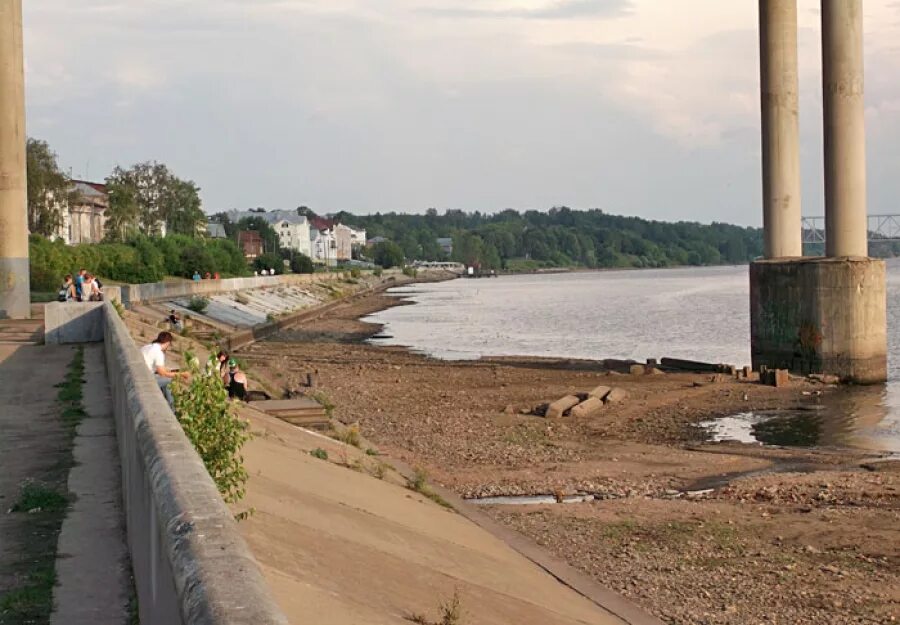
(198, 304)
(378, 272)
(410, 271)
(269, 261)
(211, 423)
(301, 263)
(319, 453)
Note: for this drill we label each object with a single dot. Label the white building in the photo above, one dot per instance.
(292, 229)
(324, 246)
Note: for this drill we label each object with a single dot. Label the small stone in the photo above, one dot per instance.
(616, 396)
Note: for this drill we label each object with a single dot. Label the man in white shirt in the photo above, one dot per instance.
(155, 356)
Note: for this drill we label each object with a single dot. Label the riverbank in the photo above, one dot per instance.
(786, 536)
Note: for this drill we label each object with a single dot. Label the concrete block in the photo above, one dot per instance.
(588, 408)
(558, 408)
(600, 392)
(616, 396)
(73, 322)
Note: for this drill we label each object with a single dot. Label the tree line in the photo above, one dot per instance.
(561, 237)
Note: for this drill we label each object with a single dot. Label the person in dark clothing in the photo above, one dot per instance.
(237, 381)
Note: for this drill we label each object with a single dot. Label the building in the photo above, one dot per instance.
(375, 241)
(446, 244)
(215, 231)
(84, 217)
(293, 230)
(323, 247)
(250, 243)
(343, 239)
(357, 238)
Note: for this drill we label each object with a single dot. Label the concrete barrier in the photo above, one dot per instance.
(190, 564)
(73, 322)
(157, 291)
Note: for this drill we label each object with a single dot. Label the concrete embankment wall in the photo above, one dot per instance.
(158, 291)
(190, 564)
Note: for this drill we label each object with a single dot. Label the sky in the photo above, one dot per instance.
(637, 107)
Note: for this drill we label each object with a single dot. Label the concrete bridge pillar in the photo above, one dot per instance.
(15, 298)
(780, 128)
(818, 315)
(843, 88)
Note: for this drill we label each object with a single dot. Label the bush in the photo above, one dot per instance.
(142, 259)
(301, 263)
(211, 423)
(269, 261)
(378, 272)
(198, 304)
(387, 254)
(410, 271)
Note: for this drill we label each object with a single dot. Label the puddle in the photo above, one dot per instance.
(529, 500)
(800, 428)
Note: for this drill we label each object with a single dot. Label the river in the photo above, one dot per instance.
(693, 313)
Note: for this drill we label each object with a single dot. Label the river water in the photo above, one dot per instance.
(697, 313)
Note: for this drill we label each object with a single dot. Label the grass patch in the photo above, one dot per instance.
(319, 453)
(31, 602)
(449, 613)
(419, 483)
(35, 497)
(349, 436)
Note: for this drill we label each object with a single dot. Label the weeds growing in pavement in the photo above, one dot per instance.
(319, 453)
(35, 497)
(419, 483)
(449, 613)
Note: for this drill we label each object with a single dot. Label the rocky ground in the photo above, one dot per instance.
(784, 536)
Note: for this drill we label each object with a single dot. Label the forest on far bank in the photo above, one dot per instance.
(560, 237)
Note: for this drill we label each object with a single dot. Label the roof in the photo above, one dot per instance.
(90, 189)
(271, 217)
(216, 231)
(320, 223)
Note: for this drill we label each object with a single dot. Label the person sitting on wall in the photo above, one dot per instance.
(237, 381)
(155, 357)
(175, 320)
(67, 290)
(79, 284)
(91, 288)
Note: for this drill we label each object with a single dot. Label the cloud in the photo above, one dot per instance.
(562, 9)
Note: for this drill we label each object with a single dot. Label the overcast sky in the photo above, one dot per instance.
(639, 107)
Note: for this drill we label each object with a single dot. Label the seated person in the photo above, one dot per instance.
(155, 357)
(175, 320)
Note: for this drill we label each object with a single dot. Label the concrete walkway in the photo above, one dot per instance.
(340, 547)
(92, 568)
(32, 439)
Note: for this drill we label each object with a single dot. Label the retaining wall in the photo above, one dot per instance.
(190, 564)
(157, 291)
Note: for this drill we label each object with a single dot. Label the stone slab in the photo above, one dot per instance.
(558, 408)
(588, 408)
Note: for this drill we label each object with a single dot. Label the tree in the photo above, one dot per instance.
(301, 263)
(387, 254)
(147, 196)
(269, 261)
(49, 189)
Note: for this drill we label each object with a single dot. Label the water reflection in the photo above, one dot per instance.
(857, 417)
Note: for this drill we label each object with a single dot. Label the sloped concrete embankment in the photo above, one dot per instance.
(190, 564)
(159, 291)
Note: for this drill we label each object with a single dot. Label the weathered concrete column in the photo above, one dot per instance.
(14, 280)
(779, 84)
(845, 129)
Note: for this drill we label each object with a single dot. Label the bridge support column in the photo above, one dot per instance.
(843, 88)
(15, 292)
(825, 315)
(780, 128)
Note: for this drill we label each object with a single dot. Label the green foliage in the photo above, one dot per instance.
(410, 272)
(31, 602)
(319, 453)
(147, 196)
(378, 272)
(269, 261)
(49, 189)
(387, 254)
(301, 263)
(142, 259)
(34, 496)
(198, 304)
(210, 421)
(120, 309)
(355, 273)
(419, 483)
(325, 402)
(560, 237)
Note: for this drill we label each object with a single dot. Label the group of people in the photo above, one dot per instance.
(209, 276)
(265, 272)
(83, 287)
(223, 367)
